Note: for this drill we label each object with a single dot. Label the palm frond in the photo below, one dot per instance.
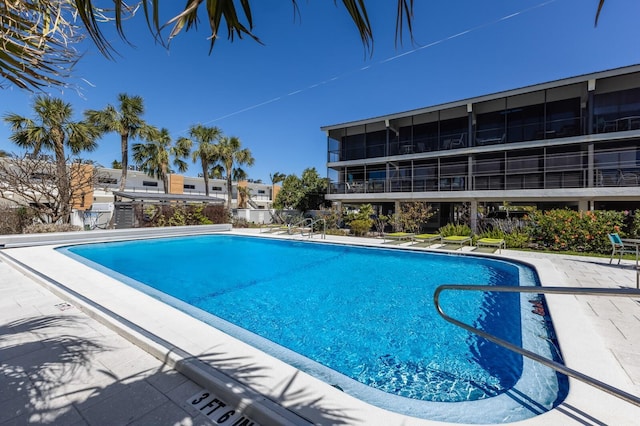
(405, 12)
(600, 4)
(358, 12)
(37, 42)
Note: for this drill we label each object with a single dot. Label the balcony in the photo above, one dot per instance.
(551, 168)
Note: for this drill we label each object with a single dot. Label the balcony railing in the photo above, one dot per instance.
(613, 168)
(509, 133)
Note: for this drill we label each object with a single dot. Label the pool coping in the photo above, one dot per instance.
(302, 396)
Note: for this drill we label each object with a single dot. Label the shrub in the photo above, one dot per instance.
(13, 220)
(151, 215)
(38, 228)
(412, 216)
(634, 227)
(517, 239)
(568, 230)
(240, 223)
(360, 222)
(451, 229)
(360, 227)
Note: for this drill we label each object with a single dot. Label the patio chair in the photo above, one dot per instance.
(426, 238)
(618, 247)
(459, 240)
(491, 242)
(397, 236)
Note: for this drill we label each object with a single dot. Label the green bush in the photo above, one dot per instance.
(568, 230)
(517, 239)
(179, 215)
(513, 239)
(360, 222)
(360, 227)
(14, 219)
(634, 228)
(451, 229)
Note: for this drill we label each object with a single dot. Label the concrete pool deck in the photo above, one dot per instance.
(67, 358)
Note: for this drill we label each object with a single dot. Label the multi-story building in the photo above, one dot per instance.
(94, 191)
(141, 183)
(569, 143)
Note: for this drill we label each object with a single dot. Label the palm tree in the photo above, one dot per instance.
(276, 177)
(154, 156)
(52, 129)
(38, 39)
(204, 136)
(244, 196)
(229, 156)
(126, 121)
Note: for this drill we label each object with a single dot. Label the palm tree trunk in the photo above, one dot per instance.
(124, 147)
(205, 174)
(229, 192)
(61, 178)
(165, 178)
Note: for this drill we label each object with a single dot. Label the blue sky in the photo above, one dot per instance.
(313, 70)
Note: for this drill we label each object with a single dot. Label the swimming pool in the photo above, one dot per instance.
(362, 313)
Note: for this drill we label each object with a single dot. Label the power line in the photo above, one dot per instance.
(383, 61)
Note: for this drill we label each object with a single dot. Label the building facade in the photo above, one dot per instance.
(94, 190)
(139, 182)
(569, 143)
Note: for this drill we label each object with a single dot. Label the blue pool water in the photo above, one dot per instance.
(364, 313)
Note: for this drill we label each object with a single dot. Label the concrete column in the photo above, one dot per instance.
(470, 139)
(591, 87)
(591, 172)
(583, 205)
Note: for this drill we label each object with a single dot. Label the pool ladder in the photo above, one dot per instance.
(306, 227)
(545, 361)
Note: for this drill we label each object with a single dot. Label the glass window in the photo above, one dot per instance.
(525, 123)
(354, 147)
(563, 118)
(376, 142)
(617, 111)
(149, 183)
(425, 137)
(453, 133)
(108, 180)
(489, 127)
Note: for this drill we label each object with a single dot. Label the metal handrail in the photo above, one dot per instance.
(545, 361)
(308, 223)
(324, 227)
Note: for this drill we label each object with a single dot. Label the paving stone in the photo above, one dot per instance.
(167, 414)
(61, 416)
(130, 363)
(630, 362)
(17, 405)
(17, 345)
(132, 401)
(165, 380)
